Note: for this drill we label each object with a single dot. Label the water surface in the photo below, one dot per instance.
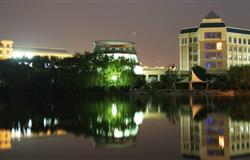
(124, 127)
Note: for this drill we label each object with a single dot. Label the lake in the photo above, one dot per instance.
(124, 127)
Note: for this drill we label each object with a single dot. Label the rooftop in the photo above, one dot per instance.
(211, 15)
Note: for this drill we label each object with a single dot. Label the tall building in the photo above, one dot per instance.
(213, 45)
(7, 50)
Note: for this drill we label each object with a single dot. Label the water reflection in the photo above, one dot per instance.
(210, 127)
(112, 122)
(210, 131)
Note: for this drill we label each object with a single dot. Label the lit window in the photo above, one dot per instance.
(219, 46)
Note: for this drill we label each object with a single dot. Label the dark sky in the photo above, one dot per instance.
(75, 24)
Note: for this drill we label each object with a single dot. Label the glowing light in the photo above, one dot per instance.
(138, 117)
(219, 46)
(30, 123)
(114, 78)
(221, 141)
(21, 54)
(114, 110)
(138, 70)
(118, 133)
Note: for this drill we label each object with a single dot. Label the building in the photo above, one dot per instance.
(116, 48)
(217, 137)
(7, 50)
(213, 45)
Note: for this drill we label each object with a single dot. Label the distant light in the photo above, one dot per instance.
(21, 54)
(138, 70)
(114, 78)
(118, 133)
(138, 118)
(114, 110)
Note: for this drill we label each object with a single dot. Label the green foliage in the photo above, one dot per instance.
(170, 78)
(239, 76)
(79, 73)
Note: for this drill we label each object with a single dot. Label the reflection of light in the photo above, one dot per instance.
(138, 70)
(114, 109)
(126, 133)
(16, 133)
(221, 141)
(30, 123)
(138, 117)
(5, 139)
(118, 133)
(114, 77)
(134, 131)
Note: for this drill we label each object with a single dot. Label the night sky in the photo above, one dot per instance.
(152, 24)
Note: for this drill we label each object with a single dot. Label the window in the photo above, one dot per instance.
(1, 52)
(195, 57)
(240, 49)
(235, 40)
(230, 39)
(230, 48)
(213, 65)
(8, 46)
(195, 39)
(230, 57)
(219, 45)
(210, 45)
(239, 40)
(182, 41)
(190, 48)
(249, 41)
(235, 49)
(244, 41)
(210, 35)
(213, 55)
(190, 40)
(185, 40)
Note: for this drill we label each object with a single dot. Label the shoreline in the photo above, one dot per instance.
(178, 92)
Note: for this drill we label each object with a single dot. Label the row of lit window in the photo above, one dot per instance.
(242, 146)
(213, 65)
(213, 46)
(240, 49)
(191, 40)
(240, 128)
(193, 147)
(240, 137)
(239, 40)
(244, 58)
(116, 49)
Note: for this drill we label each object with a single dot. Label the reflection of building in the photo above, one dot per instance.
(8, 51)
(216, 137)
(5, 139)
(213, 45)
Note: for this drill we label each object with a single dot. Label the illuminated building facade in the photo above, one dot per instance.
(7, 50)
(213, 45)
(116, 48)
(217, 137)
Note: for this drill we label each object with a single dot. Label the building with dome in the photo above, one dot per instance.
(213, 45)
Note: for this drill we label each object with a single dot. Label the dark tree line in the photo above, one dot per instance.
(89, 72)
